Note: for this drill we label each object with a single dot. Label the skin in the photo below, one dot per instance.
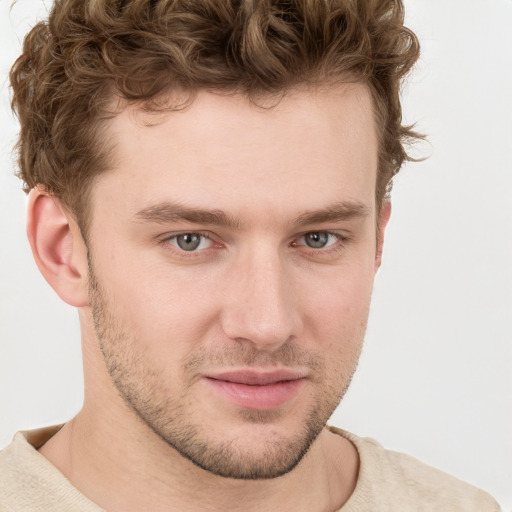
(158, 322)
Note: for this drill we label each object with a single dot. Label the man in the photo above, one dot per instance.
(208, 187)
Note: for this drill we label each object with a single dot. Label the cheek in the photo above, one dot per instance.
(158, 305)
(339, 301)
(336, 315)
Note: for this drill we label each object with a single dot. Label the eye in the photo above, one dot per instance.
(190, 241)
(318, 239)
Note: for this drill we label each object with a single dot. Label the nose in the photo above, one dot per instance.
(260, 305)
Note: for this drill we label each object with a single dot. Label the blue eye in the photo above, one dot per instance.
(190, 241)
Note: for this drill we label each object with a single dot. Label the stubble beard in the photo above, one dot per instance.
(140, 384)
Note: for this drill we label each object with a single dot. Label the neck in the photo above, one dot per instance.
(133, 469)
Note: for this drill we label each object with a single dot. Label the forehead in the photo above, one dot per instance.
(307, 149)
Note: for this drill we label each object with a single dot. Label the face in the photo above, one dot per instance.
(232, 256)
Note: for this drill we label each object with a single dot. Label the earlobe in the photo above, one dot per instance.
(58, 247)
(385, 214)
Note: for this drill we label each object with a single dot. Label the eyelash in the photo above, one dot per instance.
(167, 241)
(337, 246)
(341, 240)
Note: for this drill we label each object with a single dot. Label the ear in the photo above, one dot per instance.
(384, 215)
(58, 247)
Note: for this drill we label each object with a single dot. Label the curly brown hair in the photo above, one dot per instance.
(92, 52)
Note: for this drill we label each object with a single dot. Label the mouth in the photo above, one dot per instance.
(258, 390)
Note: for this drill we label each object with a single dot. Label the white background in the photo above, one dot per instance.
(435, 375)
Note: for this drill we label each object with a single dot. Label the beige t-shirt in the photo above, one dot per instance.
(387, 482)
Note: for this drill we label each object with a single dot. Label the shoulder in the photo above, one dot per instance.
(397, 482)
(30, 483)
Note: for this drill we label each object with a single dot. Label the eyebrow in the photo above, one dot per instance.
(338, 212)
(168, 212)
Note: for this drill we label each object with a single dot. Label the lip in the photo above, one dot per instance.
(258, 390)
